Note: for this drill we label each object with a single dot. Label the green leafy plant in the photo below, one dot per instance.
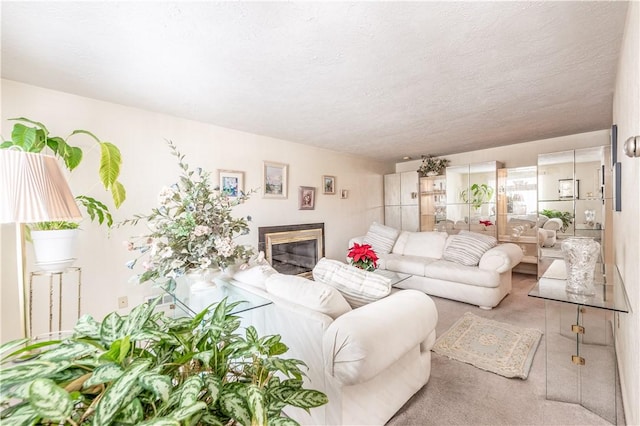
(36, 138)
(432, 164)
(149, 369)
(565, 217)
(480, 193)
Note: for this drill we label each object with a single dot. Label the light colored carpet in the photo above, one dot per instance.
(493, 346)
(460, 394)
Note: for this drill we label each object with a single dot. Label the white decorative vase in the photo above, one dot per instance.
(55, 250)
(580, 257)
(432, 173)
(203, 290)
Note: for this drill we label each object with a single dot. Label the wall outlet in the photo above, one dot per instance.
(123, 302)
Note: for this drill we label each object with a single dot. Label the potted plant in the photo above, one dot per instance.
(477, 194)
(150, 369)
(565, 217)
(32, 136)
(432, 166)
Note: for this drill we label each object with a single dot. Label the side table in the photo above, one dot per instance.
(72, 271)
(581, 365)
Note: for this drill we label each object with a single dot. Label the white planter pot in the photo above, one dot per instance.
(55, 250)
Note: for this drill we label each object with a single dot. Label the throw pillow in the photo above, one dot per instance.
(466, 248)
(381, 238)
(255, 275)
(313, 295)
(357, 286)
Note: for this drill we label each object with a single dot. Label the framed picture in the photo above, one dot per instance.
(344, 194)
(274, 180)
(328, 184)
(231, 182)
(306, 198)
(567, 190)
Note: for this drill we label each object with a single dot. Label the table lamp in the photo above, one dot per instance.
(32, 189)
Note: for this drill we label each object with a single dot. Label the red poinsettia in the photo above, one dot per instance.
(362, 256)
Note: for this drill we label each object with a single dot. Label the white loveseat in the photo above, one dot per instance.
(369, 360)
(427, 257)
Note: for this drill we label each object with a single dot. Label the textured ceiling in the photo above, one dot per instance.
(381, 79)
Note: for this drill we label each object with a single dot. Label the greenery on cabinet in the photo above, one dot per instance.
(565, 217)
(149, 369)
(36, 139)
(432, 165)
(477, 194)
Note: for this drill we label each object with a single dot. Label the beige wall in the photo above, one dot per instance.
(626, 224)
(148, 166)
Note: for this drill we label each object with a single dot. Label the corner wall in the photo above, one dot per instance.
(148, 166)
(626, 225)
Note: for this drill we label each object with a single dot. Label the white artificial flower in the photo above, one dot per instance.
(201, 230)
(166, 252)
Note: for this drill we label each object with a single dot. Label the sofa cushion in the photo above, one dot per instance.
(413, 265)
(455, 272)
(466, 248)
(359, 287)
(425, 244)
(381, 238)
(255, 275)
(313, 295)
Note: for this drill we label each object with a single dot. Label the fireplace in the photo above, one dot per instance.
(292, 249)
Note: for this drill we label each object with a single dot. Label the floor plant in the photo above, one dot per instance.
(149, 369)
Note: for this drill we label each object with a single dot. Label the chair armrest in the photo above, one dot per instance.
(360, 344)
(501, 258)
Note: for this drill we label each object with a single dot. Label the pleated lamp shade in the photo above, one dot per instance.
(33, 189)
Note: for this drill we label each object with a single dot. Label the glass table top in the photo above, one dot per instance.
(610, 292)
(189, 303)
(395, 277)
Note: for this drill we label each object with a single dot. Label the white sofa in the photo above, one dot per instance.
(368, 360)
(424, 256)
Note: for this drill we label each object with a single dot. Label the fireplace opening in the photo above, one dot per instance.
(292, 249)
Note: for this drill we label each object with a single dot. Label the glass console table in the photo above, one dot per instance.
(580, 339)
(186, 303)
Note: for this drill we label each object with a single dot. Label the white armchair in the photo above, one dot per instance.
(547, 233)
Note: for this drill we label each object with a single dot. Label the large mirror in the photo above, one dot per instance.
(573, 189)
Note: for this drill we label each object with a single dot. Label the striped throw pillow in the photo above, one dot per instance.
(381, 238)
(357, 286)
(466, 248)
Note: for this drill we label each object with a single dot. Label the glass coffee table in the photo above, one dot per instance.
(395, 277)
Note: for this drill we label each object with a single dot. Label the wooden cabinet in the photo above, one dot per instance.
(401, 201)
(433, 202)
(517, 213)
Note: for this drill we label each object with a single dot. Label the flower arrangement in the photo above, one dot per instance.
(362, 256)
(432, 165)
(191, 229)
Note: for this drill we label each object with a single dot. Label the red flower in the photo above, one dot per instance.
(363, 257)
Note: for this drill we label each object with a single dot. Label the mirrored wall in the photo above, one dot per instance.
(574, 198)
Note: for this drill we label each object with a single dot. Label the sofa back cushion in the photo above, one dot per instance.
(359, 287)
(381, 238)
(313, 295)
(466, 248)
(423, 244)
(255, 275)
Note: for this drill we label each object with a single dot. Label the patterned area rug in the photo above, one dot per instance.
(490, 345)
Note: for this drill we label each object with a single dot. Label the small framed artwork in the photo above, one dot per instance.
(344, 194)
(274, 182)
(231, 182)
(328, 184)
(567, 190)
(306, 198)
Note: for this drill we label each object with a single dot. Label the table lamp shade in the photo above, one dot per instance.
(33, 189)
